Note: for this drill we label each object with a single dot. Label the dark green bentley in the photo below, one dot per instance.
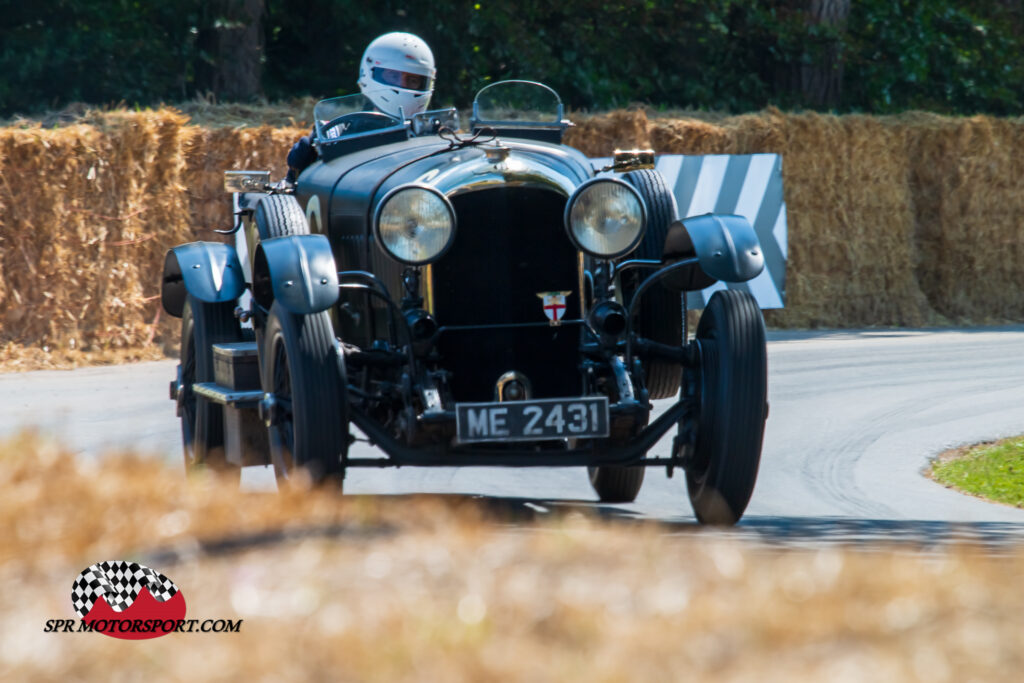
(480, 297)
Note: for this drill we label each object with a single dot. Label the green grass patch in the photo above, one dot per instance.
(993, 470)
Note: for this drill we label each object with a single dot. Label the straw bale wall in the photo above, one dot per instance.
(908, 220)
(87, 213)
(968, 186)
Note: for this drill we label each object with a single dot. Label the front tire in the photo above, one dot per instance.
(202, 421)
(278, 215)
(722, 469)
(615, 483)
(305, 373)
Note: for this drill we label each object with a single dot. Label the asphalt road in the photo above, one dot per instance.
(855, 416)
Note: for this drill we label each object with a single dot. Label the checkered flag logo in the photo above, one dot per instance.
(119, 583)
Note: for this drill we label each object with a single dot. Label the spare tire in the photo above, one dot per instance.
(278, 215)
(660, 315)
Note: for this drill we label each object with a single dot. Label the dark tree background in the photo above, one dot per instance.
(230, 45)
(730, 55)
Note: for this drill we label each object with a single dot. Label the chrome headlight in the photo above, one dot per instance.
(415, 224)
(605, 217)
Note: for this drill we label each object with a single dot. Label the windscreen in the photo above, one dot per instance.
(361, 117)
(325, 110)
(519, 102)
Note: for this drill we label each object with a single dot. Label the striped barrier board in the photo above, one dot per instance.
(749, 185)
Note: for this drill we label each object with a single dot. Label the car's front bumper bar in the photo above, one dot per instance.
(496, 455)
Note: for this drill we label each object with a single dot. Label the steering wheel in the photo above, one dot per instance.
(359, 122)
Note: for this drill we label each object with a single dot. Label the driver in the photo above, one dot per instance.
(396, 73)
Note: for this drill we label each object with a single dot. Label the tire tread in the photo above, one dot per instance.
(732, 428)
(320, 408)
(212, 323)
(660, 316)
(616, 484)
(279, 215)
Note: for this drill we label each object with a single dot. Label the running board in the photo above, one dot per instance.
(228, 397)
(245, 437)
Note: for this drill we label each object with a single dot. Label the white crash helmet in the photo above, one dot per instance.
(398, 71)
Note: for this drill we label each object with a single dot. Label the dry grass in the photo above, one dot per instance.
(15, 358)
(201, 111)
(295, 113)
(418, 588)
(908, 220)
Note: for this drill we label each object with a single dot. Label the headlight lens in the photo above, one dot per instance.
(415, 225)
(606, 218)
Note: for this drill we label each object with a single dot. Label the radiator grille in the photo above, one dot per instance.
(510, 245)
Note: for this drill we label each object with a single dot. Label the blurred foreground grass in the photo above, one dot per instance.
(990, 470)
(424, 588)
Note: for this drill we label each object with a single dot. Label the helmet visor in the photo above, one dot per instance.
(402, 79)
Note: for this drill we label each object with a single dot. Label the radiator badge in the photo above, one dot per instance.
(554, 305)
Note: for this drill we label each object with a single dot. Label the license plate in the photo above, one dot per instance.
(540, 420)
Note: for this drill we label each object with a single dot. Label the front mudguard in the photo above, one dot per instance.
(297, 270)
(725, 245)
(209, 271)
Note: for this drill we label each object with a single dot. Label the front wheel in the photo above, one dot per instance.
(733, 385)
(615, 483)
(307, 411)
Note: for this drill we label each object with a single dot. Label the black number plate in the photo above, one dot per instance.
(555, 418)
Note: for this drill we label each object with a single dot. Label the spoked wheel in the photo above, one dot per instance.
(733, 385)
(308, 414)
(616, 484)
(202, 422)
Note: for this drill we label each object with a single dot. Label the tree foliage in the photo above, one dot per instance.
(96, 51)
(954, 57)
(731, 55)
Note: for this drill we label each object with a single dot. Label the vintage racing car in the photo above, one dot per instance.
(485, 297)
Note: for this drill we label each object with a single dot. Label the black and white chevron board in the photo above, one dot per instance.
(749, 185)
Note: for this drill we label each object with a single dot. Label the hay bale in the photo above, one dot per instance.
(905, 220)
(86, 206)
(851, 249)
(690, 136)
(90, 211)
(747, 134)
(599, 136)
(968, 184)
(210, 152)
